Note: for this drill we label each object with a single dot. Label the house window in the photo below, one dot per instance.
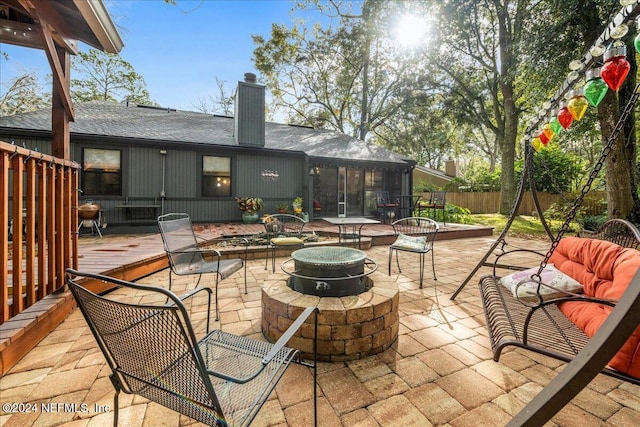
(101, 172)
(216, 176)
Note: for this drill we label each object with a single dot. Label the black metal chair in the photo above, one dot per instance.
(220, 380)
(282, 230)
(386, 206)
(437, 201)
(187, 258)
(415, 235)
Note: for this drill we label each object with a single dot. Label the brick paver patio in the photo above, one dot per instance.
(439, 372)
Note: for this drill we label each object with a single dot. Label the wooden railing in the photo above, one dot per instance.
(38, 201)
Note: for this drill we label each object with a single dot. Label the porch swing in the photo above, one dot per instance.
(539, 313)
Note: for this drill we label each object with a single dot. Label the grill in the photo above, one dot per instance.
(329, 271)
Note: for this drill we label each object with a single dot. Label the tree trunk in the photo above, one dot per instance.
(508, 178)
(618, 179)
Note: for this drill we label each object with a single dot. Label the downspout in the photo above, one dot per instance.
(162, 192)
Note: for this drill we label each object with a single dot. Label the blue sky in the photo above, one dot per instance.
(179, 50)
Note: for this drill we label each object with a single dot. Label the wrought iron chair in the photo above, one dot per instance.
(386, 206)
(415, 235)
(220, 380)
(186, 257)
(282, 230)
(437, 201)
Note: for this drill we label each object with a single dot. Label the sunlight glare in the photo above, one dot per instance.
(410, 31)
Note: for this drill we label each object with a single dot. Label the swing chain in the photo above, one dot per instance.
(593, 175)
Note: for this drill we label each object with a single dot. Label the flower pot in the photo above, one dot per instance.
(250, 217)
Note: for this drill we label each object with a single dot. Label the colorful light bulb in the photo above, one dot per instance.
(595, 89)
(536, 144)
(548, 132)
(616, 67)
(636, 41)
(556, 127)
(543, 138)
(565, 117)
(578, 105)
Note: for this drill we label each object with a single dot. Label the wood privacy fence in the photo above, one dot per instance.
(489, 202)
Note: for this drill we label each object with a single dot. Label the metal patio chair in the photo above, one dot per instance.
(220, 380)
(282, 231)
(415, 234)
(186, 257)
(437, 202)
(386, 206)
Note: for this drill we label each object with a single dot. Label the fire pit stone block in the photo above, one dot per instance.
(349, 327)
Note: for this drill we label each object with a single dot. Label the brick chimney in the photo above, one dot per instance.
(451, 168)
(249, 114)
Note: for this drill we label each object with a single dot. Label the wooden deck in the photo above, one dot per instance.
(134, 256)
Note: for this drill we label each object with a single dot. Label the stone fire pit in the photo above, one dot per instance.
(349, 327)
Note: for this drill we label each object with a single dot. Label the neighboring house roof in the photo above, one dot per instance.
(432, 172)
(115, 120)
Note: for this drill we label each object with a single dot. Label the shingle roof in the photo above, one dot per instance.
(131, 122)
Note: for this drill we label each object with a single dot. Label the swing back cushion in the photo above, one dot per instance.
(605, 270)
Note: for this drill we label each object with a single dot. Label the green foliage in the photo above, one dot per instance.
(107, 77)
(22, 95)
(480, 178)
(422, 186)
(592, 222)
(455, 214)
(456, 184)
(522, 225)
(554, 170)
(560, 210)
(250, 204)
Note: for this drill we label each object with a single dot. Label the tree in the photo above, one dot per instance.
(568, 28)
(24, 94)
(480, 68)
(350, 77)
(107, 77)
(555, 171)
(220, 104)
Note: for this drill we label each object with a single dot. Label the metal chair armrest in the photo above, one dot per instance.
(196, 290)
(282, 341)
(277, 347)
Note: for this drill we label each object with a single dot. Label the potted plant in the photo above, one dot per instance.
(297, 204)
(249, 207)
(282, 208)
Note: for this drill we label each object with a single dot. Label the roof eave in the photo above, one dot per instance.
(98, 19)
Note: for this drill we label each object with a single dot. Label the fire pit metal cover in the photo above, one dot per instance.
(329, 271)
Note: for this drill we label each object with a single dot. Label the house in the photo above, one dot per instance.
(433, 178)
(139, 161)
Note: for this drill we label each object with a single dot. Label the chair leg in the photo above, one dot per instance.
(421, 269)
(245, 276)
(115, 408)
(433, 265)
(273, 259)
(390, 256)
(217, 310)
(398, 262)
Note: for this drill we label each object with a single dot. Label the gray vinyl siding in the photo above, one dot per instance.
(42, 145)
(182, 174)
(144, 168)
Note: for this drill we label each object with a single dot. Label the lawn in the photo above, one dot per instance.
(522, 226)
